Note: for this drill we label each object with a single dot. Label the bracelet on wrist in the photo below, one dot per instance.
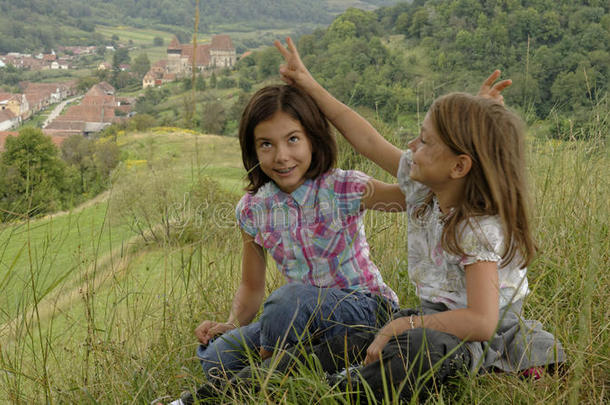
(411, 322)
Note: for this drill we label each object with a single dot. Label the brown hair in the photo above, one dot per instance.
(300, 106)
(493, 137)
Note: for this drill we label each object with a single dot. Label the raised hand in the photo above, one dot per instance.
(293, 71)
(494, 91)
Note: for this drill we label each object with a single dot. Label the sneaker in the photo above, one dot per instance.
(343, 377)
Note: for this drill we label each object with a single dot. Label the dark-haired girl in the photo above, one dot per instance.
(308, 216)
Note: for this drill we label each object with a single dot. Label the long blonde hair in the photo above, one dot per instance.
(493, 137)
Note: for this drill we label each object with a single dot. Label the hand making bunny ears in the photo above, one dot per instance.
(293, 71)
(494, 91)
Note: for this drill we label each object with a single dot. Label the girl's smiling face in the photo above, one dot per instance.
(432, 159)
(283, 150)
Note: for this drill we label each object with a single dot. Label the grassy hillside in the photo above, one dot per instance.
(99, 304)
(36, 25)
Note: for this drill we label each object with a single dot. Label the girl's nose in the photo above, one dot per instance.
(413, 144)
(281, 153)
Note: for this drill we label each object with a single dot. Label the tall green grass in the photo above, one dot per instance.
(93, 313)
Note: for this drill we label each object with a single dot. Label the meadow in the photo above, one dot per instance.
(98, 305)
(139, 37)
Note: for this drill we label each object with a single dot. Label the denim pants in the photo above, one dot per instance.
(413, 363)
(292, 313)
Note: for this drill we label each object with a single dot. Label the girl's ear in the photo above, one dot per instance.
(461, 167)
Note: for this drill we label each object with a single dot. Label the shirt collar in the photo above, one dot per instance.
(304, 193)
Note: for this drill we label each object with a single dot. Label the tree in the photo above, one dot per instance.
(213, 81)
(225, 83)
(100, 50)
(244, 84)
(121, 80)
(141, 65)
(77, 151)
(158, 41)
(342, 29)
(213, 118)
(85, 83)
(419, 23)
(267, 62)
(200, 83)
(142, 122)
(105, 157)
(120, 57)
(32, 174)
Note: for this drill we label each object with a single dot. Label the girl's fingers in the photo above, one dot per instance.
(281, 48)
(291, 47)
(502, 85)
(492, 78)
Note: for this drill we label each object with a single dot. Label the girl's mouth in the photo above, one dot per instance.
(284, 172)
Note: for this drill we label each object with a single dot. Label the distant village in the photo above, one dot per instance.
(47, 61)
(219, 53)
(100, 106)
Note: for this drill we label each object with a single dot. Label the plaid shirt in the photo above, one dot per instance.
(316, 234)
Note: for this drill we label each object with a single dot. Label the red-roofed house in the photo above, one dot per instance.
(17, 104)
(222, 51)
(96, 111)
(8, 120)
(219, 53)
(57, 140)
(40, 95)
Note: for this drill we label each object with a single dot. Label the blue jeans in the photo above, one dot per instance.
(292, 313)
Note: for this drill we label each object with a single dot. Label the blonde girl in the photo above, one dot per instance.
(464, 189)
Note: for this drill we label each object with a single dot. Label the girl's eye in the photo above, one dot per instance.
(264, 145)
(293, 139)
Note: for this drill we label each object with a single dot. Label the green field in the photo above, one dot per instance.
(98, 306)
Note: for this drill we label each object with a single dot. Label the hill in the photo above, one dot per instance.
(114, 288)
(98, 304)
(37, 25)
(397, 60)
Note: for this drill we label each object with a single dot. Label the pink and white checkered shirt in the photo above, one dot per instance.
(316, 234)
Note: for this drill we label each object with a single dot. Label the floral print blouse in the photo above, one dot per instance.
(438, 275)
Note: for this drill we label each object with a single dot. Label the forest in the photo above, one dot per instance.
(35, 25)
(556, 52)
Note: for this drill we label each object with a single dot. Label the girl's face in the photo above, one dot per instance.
(432, 159)
(283, 150)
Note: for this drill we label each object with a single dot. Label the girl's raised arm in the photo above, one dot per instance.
(357, 130)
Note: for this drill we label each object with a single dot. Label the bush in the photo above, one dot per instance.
(161, 212)
(226, 83)
(32, 176)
